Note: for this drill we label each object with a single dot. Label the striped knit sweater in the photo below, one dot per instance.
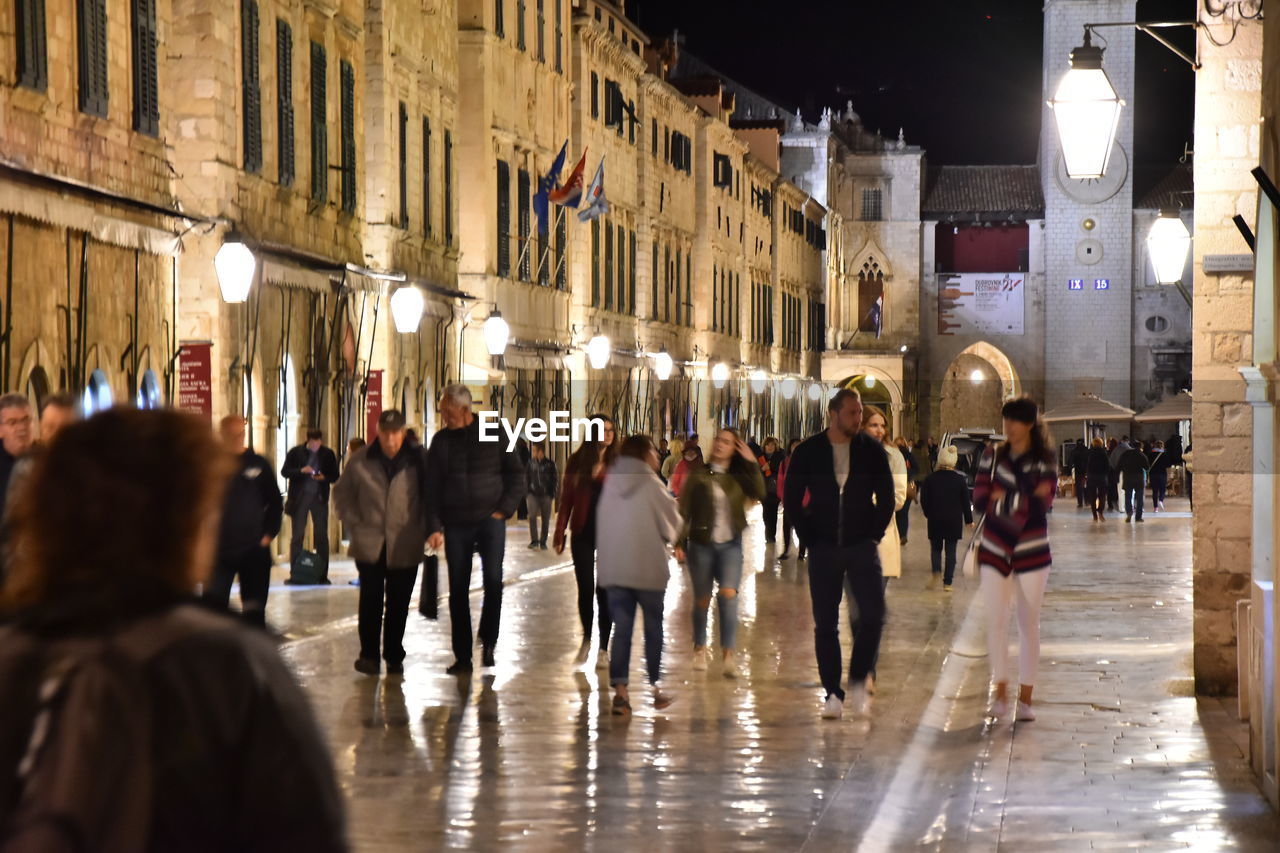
(1015, 536)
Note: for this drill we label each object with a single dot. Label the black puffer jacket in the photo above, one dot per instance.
(469, 480)
(252, 507)
(826, 516)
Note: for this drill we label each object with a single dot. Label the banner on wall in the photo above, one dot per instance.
(981, 303)
(195, 377)
(373, 404)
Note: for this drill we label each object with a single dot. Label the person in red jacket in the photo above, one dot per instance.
(690, 462)
(583, 480)
(786, 517)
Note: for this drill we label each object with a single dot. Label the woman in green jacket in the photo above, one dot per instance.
(713, 504)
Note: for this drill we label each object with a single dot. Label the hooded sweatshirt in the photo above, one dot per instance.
(635, 519)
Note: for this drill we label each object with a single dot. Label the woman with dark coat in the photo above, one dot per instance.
(944, 499)
(1158, 461)
(1098, 479)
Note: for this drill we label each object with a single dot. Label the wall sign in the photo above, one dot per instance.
(195, 377)
(373, 404)
(981, 303)
(1228, 263)
(1102, 284)
(1075, 284)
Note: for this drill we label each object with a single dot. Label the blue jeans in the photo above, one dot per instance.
(1132, 496)
(622, 604)
(721, 563)
(461, 542)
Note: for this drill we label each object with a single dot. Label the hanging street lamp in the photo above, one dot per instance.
(869, 381)
(235, 266)
(1169, 243)
(815, 392)
(662, 365)
(788, 387)
(496, 332)
(719, 374)
(407, 306)
(1086, 110)
(758, 381)
(599, 349)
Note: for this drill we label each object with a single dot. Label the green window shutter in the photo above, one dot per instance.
(33, 52)
(403, 164)
(284, 103)
(522, 223)
(426, 175)
(92, 55)
(146, 94)
(504, 220)
(319, 125)
(250, 85)
(347, 76)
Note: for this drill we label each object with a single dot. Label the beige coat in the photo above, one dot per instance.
(379, 513)
(890, 547)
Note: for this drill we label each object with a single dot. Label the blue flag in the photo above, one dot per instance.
(541, 202)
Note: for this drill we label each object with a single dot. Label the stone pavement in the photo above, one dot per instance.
(527, 756)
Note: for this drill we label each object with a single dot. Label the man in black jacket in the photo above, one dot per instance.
(839, 493)
(311, 469)
(1132, 468)
(1079, 462)
(484, 485)
(251, 515)
(544, 485)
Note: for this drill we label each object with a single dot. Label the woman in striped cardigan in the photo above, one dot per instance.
(1014, 489)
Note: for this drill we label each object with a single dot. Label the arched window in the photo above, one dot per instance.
(871, 297)
(149, 396)
(37, 387)
(97, 394)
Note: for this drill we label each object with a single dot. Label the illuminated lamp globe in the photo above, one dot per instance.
(1086, 110)
(719, 374)
(759, 381)
(869, 381)
(976, 376)
(1168, 243)
(235, 266)
(789, 387)
(662, 365)
(496, 332)
(815, 392)
(599, 349)
(407, 305)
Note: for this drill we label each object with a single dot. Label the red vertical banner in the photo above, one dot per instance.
(373, 403)
(195, 377)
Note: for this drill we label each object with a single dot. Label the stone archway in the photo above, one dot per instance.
(976, 383)
(877, 388)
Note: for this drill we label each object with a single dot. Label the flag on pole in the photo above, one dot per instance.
(596, 203)
(546, 185)
(570, 193)
(876, 313)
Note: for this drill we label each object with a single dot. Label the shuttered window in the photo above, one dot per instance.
(250, 85)
(520, 16)
(631, 284)
(559, 36)
(666, 289)
(522, 223)
(33, 51)
(653, 285)
(146, 86)
(319, 125)
(560, 253)
(426, 175)
(608, 266)
(542, 259)
(542, 31)
(448, 187)
(622, 269)
(347, 76)
(504, 220)
(595, 95)
(91, 19)
(284, 102)
(595, 263)
(499, 18)
(402, 163)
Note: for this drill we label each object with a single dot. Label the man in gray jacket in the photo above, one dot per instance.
(380, 499)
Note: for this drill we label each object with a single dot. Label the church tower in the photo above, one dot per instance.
(1088, 225)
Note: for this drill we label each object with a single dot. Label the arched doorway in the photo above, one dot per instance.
(877, 389)
(975, 386)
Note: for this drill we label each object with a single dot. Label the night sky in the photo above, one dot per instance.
(961, 76)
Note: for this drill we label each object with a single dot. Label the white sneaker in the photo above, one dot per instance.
(1025, 714)
(700, 659)
(584, 651)
(730, 665)
(999, 709)
(859, 700)
(602, 660)
(833, 709)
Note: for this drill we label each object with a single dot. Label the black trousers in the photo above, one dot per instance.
(770, 507)
(829, 565)
(318, 510)
(390, 588)
(786, 534)
(936, 547)
(1080, 489)
(462, 542)
(583, 548)
(253, 567)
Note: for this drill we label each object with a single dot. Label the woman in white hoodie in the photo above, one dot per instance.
(635, 520)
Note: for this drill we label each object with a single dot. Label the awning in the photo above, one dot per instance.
(64, 211)
(282, 273)
(1175, 408)
(532, 360)
(1088, 407)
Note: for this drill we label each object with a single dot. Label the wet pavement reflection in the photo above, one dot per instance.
(528, 756)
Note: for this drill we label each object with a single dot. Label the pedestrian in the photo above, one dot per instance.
(56, 412)
(381, 499)
(690, 462)
(1014, 490)
(544, 485)
(771, 464)
(1115, 449)
(944, 499)
(713, 505)
(1158, 463)
(669, 464)
(251, 517)
(15, 436)
(1098, 479)
(353, 445)
(1133, 476)
(311, 469)
(933, 452)
(174, 727)
(474, 487)
(584, 475)
(1078, 462)
(903, 514)
(637, 520)
(664, 451)
(925, 461)
(1186, 468)
(786, 516)
(849, 487)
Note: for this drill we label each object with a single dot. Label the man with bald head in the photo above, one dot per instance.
(251, 515)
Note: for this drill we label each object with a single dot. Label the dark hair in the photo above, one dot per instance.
(60, 400)
(793, 443)
(1024, 410)
(583, 461)
(637, 446)
(138, 488)
(315, 435)
(836, 403)
(355, 444)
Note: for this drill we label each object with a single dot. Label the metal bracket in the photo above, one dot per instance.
(1150, 27)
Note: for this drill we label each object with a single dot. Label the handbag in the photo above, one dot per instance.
(429, 594)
